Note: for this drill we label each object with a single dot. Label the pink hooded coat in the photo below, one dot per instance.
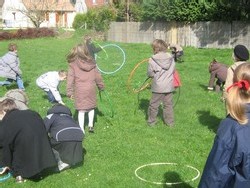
(82, 79)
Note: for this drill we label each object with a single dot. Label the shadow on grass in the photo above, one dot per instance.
(173, 177)
(204, 87)
(211, 121)
(143, 106)
(54, 170)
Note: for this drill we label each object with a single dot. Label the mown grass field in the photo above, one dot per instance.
(124, 142)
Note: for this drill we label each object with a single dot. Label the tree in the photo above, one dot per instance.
(36, 10)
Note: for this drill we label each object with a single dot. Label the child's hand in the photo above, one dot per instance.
(61, 102)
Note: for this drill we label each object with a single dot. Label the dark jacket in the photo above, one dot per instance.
(217, 70)
(92, 49)
(228, 164)
(26, 147)
(61, 126)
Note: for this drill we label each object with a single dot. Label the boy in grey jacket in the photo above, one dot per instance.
(161, 68)
(9, 67)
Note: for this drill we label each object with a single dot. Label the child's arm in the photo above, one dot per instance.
(94, 48)
(70, 83)
(99, 80)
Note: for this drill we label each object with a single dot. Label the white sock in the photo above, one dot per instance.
(81, 115)
(91, 115)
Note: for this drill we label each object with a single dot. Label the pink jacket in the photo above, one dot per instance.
(82, 79)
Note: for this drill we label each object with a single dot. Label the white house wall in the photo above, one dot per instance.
(12, 17)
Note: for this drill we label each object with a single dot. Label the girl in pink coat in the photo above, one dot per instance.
(82, 80)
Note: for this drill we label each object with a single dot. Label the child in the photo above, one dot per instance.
(65, 136)
(91, 47)
(83, 77)
(228, 163)
(217, 71)
(10, 67)
(177, 51)
(26, 148)
(19, 97)
(240, 55)
(49, 82)
(161, 68)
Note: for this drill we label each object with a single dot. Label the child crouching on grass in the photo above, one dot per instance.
(228, 163)
(65, 136)
(82, 81)
(161, 68)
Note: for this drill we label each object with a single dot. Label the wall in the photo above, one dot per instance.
(200, 34)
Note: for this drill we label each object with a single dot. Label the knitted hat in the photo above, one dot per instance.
(19, 97)
(241, 52)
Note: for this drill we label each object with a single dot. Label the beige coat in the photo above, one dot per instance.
(230, 74)
(82, 81)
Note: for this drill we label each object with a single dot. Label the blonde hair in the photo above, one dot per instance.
(62, 73)
(80, 52)
(239, 96)
(159, 45)
(7, 105)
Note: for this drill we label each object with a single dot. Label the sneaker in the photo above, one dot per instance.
(91, 129)
(19, 179)
(152, 124)
(62, 166)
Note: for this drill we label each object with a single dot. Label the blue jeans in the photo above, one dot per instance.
(51, 97)
(9, 81)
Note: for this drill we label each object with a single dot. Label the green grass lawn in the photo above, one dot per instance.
(123, 143)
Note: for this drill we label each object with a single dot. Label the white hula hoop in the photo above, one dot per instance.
(123, 59)
(166, 183)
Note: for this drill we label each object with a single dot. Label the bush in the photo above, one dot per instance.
(97, 19)
(28, 33)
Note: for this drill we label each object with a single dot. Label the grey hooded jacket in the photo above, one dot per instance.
(161, 68)
(9, 65)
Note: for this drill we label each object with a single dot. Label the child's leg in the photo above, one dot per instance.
(81, 115)
(51, 97)
(19, 82)
(153, 107)
(168, 109)
(91, 117)
(6, 82)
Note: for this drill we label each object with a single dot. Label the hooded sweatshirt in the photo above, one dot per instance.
(161, 68)
(82, 81)
(61, 126)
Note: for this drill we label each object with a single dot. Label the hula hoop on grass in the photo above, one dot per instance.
(111, 59)
(167, 183)
(4, 177)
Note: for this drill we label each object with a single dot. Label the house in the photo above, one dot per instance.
(48, 13)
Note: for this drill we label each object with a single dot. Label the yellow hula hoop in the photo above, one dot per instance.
(145, 84)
